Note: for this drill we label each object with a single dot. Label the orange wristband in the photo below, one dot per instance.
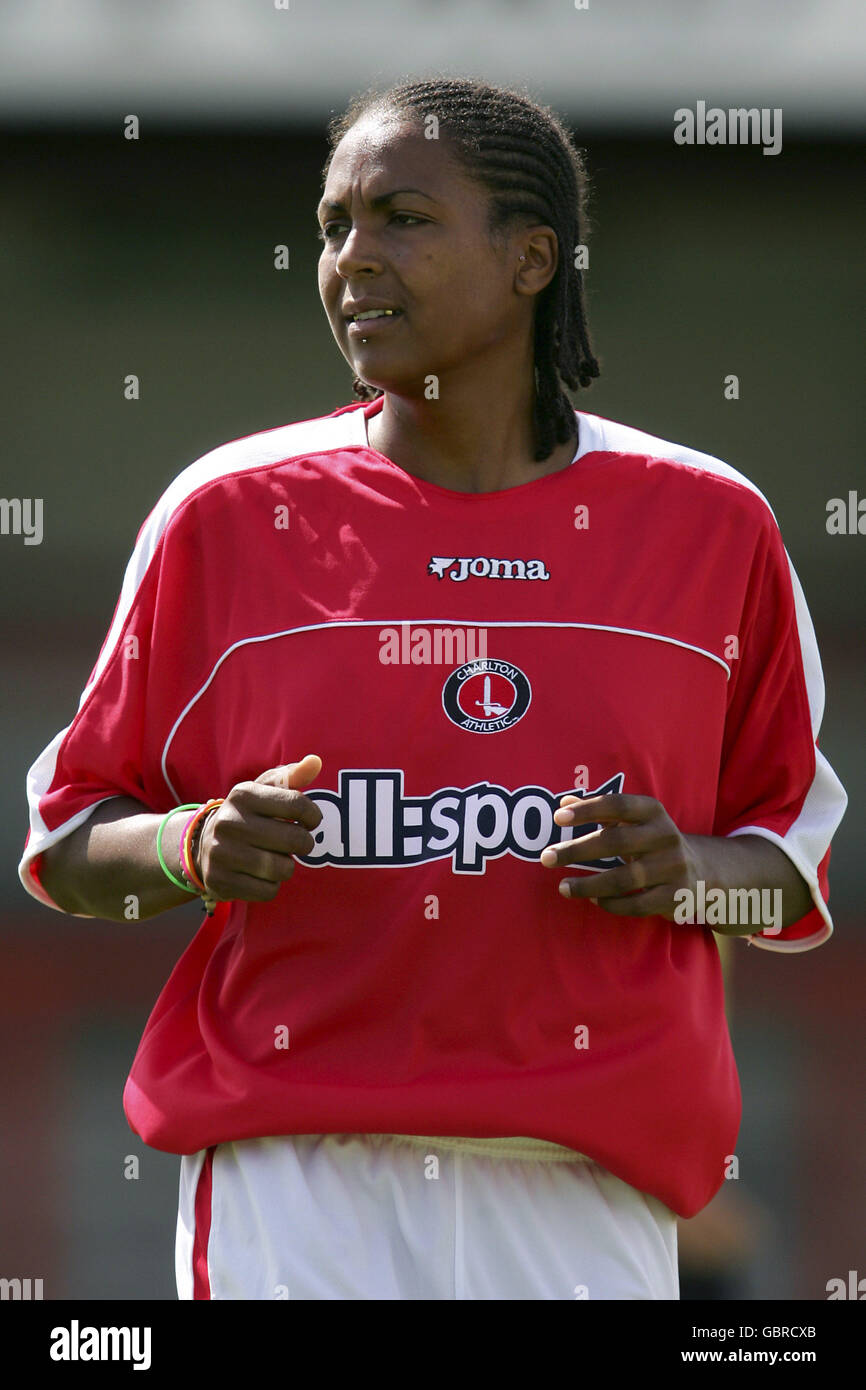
(186, 857)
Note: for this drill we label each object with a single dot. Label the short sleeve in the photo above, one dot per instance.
(101, 754)
(774, 780)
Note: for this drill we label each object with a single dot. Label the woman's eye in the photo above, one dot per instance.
(327, 232)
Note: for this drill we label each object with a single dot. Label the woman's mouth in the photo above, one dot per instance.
(372, 321)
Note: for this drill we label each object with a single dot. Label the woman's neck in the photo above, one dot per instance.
(466, 450)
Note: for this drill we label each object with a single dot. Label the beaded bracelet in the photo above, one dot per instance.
(191, 806)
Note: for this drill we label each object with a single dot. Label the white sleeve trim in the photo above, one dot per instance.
(807, 840)
(41, 840)
(809, 837)
(806, 943)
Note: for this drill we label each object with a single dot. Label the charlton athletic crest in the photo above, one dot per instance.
(486, 696)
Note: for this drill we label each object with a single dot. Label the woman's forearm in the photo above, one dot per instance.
(747, 862)
(246, 849)
(109, 867)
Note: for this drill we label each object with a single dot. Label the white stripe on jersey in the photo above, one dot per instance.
(419, 623)
(238, 456)
(609, 437)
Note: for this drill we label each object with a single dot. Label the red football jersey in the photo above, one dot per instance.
(459, 661)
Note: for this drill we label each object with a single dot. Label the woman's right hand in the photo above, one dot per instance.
(246, 845)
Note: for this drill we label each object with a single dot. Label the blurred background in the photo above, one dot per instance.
(155, 256)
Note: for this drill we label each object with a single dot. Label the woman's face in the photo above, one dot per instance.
(405, 228)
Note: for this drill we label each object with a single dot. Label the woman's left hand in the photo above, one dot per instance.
(659, 859)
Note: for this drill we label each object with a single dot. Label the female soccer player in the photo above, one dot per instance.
(454, 1027)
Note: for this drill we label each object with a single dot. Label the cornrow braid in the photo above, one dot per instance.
(522, 154)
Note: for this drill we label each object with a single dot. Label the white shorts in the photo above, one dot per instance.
(372, 1216)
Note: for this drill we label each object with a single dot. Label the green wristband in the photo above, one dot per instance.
(192, 806)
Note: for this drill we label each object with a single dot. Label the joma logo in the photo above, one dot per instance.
(484, 567)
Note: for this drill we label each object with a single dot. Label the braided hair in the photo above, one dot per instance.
(523, 155)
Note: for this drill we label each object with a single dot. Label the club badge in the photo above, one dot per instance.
(486, 696)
